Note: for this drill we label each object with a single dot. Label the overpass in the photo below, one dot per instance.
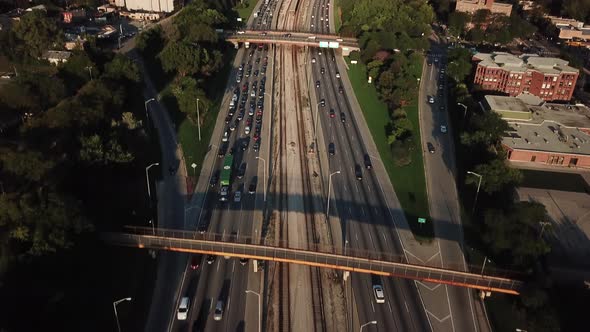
(346, 44)
(230, 245)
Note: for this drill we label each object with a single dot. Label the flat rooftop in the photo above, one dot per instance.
(547, 136)
(524, 62)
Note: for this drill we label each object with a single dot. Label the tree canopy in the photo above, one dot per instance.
(37, 33)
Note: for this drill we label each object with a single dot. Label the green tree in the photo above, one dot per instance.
(96, 149)
(457, 22)
(186, 93)
(30, 165)
(187, 59)
(151, 42)
(38, 33)
(77, 70)
(578, 9)
(121, 68)
(496, 176)
(488, 128)
(459, 66)
(196, 23)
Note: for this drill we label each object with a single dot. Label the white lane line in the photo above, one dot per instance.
(218, 261)
(407, 308)
(233, 266)
(349, 211)
(389, 304)
(376, 211)
(363, 211)
(373, 306)
(384, 239)
(344, 188)
(369, 187)
(228, 302)
(371, 237)
(357, 188)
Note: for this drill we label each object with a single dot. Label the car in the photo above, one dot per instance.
(239, 117)
(342, 117)
(323, 71)
(257, 60)
(368, 164)
(331, 149)
(247, 130)
(332, 113)
(442, 108)
(214, 179)
(333, 57)
(252, 187)
(241, 171)
(244, 143)
(358, 172)
(253, 93)
(222, 150)
(337, 75)
(340, 90)
(443, 129)
(218, 314)
(237, 196)
(228, 119)
(232, 127)
(317, 84)
(263, 33)
(225, 136)
(202, 228)
(183, 308)
(195, 260)
(312, 60)
(435, 60)
(243, 261)
(431, 100)
(323, 103)
(287, 35)
(440, 87)
(256, 146)
(210, 259)
(379, 294)
(430, 147)
(320, 52)
(429, 62)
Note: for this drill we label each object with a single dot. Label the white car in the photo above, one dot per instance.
(379, 294)
(225, 136)
(237, 196)
(247, 130)
(337, 75)
(312, 60)
(183, 308)
(431, 100)
(443, 129)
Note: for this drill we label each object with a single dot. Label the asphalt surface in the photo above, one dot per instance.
(362, 216)
(227, 279)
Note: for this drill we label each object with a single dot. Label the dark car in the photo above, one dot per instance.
(317, 84)
(210, 259)
(202, 228)
(358, 172)
(323, 103)
(368, 163)
(333, 59)
(228, 119)
(252, 187)
(323, 70)
(222, 150)
(214, 179)
(241, 171)
(195, 262)
(243, 261)
(340, 90)
(342, 117)
(332, 113)
(256, 146)
(245, 142)
(331, 149)
(430, 147)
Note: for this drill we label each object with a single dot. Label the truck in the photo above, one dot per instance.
(247, 44)
(225, 178)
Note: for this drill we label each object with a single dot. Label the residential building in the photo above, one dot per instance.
(547, 78)
(471, 6)
(570, 29)
(56, 57)
(141, 16)
(160, 6)
(544, 133)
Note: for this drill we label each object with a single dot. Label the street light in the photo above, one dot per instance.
(198, 120)
(477, 192)
(329, 189)
(90, 71)
(464, 111)
(194, 166)
(259, 309)
(115, 308)
(374, 322)
(543, 224)
(147, 178)
(484, 264)
(264, 174)
(151, 222)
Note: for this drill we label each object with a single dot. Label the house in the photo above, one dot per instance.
(56, 57)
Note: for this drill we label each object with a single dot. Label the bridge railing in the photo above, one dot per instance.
(370, 255)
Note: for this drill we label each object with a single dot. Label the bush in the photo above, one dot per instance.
(401, 151)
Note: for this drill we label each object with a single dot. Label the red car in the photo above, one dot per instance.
(332, 113)
(256, 136)
(244, 87)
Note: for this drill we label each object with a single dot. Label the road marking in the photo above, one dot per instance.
(233, 266)
(349, 211)
(369, 188)
(376, 211)
(363, 211)
(384, 239)
(371, 237)
(407, 308)
(344, 188)
(218, 261)
(389, 305)
(357, 236)
(372, 306)
(228, 303)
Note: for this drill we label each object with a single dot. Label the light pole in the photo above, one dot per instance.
(194, 166)
(146, 110)
(329, 190)
(264, 174)
(147, 178)
(374, 322)
(484, 264)
(115, 308)
(89, 71)
(151, 222)
(198, 120)
(464, 111)
(259, 309)
(543, 224)
(477, 192)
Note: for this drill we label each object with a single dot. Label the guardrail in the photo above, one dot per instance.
(355, 260)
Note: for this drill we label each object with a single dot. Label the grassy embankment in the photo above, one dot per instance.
(408, 181)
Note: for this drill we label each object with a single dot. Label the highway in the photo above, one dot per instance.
(227, 279)
(364, 217)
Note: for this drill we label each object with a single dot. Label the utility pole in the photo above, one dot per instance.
(198, 120)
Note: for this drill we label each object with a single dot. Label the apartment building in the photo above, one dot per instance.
(471, 6)
(546, 78)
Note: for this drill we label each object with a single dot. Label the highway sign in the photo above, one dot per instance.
(333, 45)
(421, 220)
(324, 44)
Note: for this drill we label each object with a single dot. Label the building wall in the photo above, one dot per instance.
(549, 158)
(545, 86)
(471, 6)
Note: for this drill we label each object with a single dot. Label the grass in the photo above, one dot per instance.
(194, 150)
(245, 12)
(408, 181)
(337, 19)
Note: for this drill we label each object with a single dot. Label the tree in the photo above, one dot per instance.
(457, 22)
(186, 93)
(459, 66)
(121, 68)
(578, 9)
(187, 59)
(488, 128)
(38, 33)
(76, 71)
(196, 23)
(30, 165)
(96, 149)
(496, 176)
(151, 42)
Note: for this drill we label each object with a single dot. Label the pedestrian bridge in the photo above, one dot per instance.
(325, 257)
(346, 44)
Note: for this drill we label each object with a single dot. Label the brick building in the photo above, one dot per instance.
(547, 78)
(544, 133)
(471, 6)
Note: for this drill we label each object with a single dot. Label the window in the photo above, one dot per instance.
(533, 158)
(554, 78)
